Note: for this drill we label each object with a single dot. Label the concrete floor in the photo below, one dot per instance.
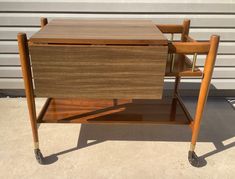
(116, 151)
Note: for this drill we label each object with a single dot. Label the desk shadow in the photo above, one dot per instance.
(217, 126)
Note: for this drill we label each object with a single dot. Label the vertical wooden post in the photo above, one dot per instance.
(204, 89)
(186, 26)
(44, 22)
(27, 75)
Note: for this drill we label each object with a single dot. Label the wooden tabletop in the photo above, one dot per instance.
(97, 31)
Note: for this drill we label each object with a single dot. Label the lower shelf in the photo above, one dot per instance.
(114, 111)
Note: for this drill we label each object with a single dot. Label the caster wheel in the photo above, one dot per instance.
(193, 159)
(38, 156)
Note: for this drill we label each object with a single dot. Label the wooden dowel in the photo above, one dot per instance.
(27, 75)
(185, 32)
(44, 22)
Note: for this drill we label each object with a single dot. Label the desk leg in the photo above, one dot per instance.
(27, 75)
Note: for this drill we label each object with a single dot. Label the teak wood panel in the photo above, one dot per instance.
(167, 111)
(78, 31)
(106, 72)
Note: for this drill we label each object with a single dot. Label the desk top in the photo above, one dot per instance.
(97, 31)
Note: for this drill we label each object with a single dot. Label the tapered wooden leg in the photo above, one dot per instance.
(204, 89)
(27, 75)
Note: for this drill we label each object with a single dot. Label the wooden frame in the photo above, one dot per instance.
(178, 65)
(191, 46)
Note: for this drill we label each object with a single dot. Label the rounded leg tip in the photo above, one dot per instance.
(193, 159)
(38, 156)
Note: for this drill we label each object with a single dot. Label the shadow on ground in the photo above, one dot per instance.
(217, 126)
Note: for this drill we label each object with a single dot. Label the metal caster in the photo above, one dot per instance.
(38, 156)
(193, 159)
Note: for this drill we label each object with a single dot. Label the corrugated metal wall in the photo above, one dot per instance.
(207, 17)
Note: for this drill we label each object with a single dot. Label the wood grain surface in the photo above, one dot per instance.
(85, 31)
(167, 111)
(98, 71)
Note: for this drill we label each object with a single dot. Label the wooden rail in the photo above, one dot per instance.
(189, 47)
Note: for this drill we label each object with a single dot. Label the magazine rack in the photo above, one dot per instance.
(112, 71)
